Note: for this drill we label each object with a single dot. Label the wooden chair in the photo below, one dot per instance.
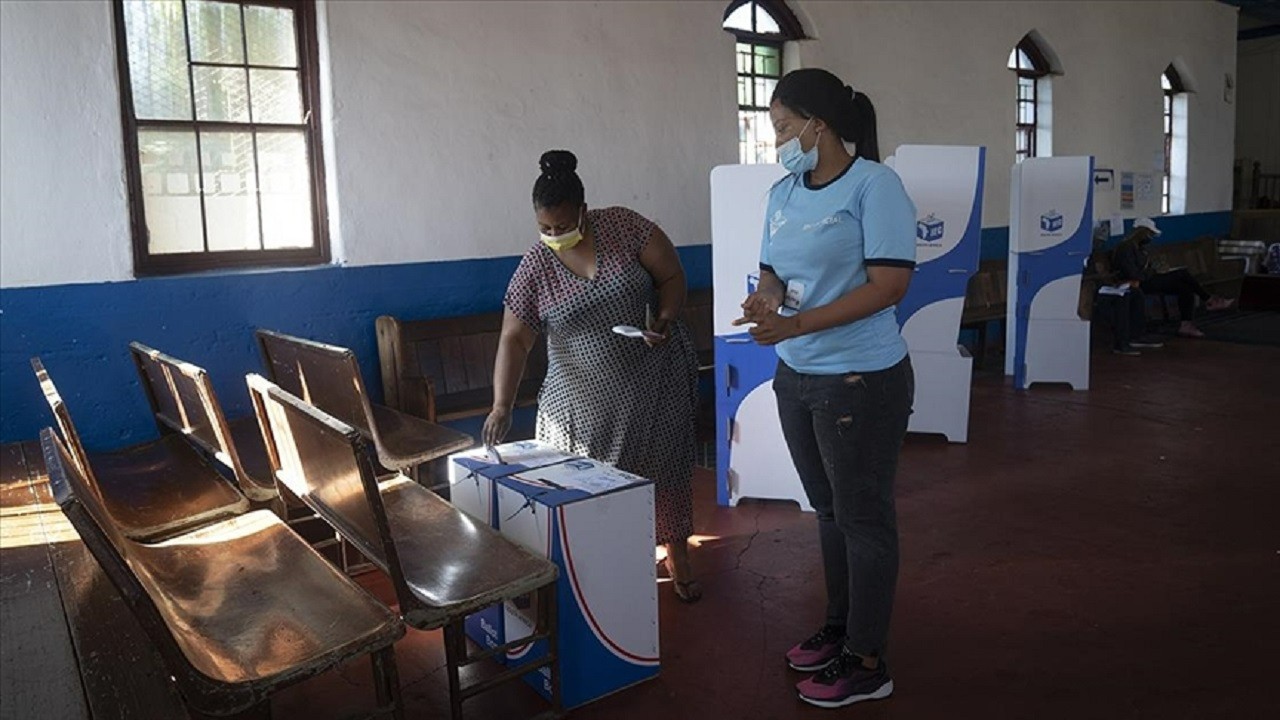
(183, 401)
(443, 564)
(152, 490)
(239, 608)
(328, 377)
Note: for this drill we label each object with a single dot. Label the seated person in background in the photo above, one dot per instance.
(1121, 304)
(1134, 264)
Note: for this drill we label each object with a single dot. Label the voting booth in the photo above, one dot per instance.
(596, 523)
(751, 455)
(1050, 237)
(945, 184)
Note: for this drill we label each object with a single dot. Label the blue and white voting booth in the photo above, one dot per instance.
(751, 454)
(596, 523)
(1050, 237)
(945, 184)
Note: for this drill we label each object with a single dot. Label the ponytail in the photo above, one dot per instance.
(813, 92)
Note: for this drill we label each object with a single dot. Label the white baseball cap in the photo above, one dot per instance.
(1148, 223)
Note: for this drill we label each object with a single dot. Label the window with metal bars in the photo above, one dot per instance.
(1030, 65)
(221, 133)
(761, 28)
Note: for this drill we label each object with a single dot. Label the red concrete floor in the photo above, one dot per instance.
(1105, 554)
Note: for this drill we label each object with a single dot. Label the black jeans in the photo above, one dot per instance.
(1127, 315)
(844, 433)
(1179, 283)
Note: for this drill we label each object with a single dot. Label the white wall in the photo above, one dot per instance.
(63, 212)
(442, 109)
(438, 111)
(937, 73)
(1258, 103)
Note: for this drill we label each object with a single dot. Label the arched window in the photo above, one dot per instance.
(761, 27)
(1032, 65)
(1173, 189)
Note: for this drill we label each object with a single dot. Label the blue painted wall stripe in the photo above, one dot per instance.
(82, 331)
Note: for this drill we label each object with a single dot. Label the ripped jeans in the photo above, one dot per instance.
(844, 433)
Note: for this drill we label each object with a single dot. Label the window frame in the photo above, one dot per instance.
(146, 263)
(1176, 87)
(789, 28)
(1038, 69)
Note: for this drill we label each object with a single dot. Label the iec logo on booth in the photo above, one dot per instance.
(1051, 221)
(929, 229)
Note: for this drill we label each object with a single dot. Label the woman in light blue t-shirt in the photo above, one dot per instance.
(837, 255)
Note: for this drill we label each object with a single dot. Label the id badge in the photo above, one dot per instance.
(794, 297)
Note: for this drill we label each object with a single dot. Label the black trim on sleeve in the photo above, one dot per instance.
(889, 262)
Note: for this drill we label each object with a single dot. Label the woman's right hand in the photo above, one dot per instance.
(496, 426)
(760, 304)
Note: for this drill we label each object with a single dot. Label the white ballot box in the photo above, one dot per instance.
(596, 523)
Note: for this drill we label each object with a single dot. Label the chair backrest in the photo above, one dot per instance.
(183, 400)
(325, 463)
(327, 376)
(62, 416)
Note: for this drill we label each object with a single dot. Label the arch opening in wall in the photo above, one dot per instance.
(1034, 64)
(761, 27)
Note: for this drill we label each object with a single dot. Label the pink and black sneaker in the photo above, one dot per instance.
(818, 651)
(845, 682)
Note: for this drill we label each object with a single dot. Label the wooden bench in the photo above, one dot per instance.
(328, 377)
(152, 490)
(985, 301)
(442, 564)
(239, 608)
(442, 369)
(1200, 258)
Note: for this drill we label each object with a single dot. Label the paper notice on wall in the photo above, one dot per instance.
(1117, 225)
(1145, 187)
(1126, 191)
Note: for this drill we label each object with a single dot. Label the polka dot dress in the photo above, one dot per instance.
(608, 397)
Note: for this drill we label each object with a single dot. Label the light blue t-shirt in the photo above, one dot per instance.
(819, 241)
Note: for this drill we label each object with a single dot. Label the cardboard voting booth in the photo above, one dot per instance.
(751, 455)
(945, 184)
(596, 523)
(1050, 236)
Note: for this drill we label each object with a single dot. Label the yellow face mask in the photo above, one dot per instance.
(565, 241)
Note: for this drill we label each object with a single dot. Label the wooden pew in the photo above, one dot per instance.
(985, 301)
(442, 369)
(442, 564)
(1200, 258)
(238, 609)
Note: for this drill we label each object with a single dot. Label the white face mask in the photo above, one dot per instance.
(796, 160)
(565, 240)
